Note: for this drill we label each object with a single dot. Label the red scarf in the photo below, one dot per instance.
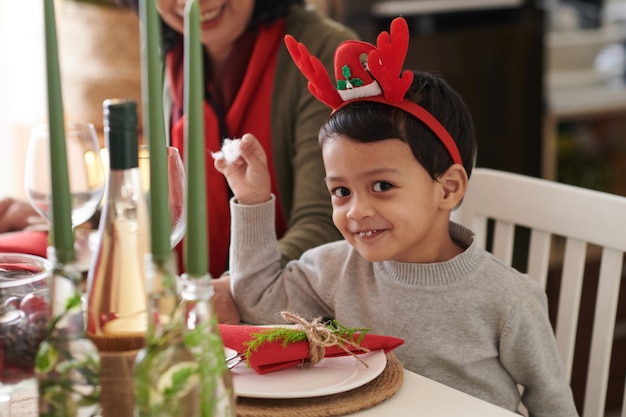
(249, 112)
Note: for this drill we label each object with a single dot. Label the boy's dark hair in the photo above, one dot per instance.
(265, 12)
(366, 121)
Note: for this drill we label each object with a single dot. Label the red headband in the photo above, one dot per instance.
(380, 79)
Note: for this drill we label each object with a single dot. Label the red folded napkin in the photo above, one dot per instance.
(34, 242)
(273, 356)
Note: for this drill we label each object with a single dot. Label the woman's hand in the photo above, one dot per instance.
(223, 302)
(19, 215)
(248, 176)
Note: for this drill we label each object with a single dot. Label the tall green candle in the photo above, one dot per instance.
(154, 129)
(62, 235)
(196, 247)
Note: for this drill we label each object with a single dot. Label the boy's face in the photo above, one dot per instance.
(384, 202)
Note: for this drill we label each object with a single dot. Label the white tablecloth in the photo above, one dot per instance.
(420, 396)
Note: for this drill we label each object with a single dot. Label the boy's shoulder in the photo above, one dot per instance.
(506, 279)
(490, 269)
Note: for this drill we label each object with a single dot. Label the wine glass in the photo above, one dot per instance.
(85, 171)
(24, 311)
(177, 188)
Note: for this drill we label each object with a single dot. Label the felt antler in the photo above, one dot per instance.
(380, 76)
(381, 79)
(320, 84)
(385, 63)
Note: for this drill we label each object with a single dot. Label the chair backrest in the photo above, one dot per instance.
(498, 204)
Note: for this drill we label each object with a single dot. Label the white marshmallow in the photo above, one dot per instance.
(230, 151)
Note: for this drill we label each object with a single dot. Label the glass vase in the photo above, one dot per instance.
(182, 370)
(67, 362)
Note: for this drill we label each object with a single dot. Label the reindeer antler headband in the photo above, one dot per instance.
(380, 79)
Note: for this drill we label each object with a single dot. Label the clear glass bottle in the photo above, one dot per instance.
(117, 303)
(182, 370)
(67, 362)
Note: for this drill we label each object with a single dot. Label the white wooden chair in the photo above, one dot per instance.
(580, 217)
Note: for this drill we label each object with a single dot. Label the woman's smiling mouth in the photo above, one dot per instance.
(210, 15)
(205, 16)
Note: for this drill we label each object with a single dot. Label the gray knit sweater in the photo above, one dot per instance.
(471, 323)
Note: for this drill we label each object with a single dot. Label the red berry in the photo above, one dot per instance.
(32, 303)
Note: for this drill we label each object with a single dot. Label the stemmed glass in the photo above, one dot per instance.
(177, 185)
(177, 189)
(85, 170)
(24, 301)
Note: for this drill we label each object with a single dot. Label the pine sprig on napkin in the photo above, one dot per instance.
(325, 334)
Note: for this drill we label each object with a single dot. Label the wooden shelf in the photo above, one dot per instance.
(398, 8)
(607, 100)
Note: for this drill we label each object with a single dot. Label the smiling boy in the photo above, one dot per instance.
(398, 156)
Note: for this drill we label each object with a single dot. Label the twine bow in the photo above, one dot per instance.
(320, 337)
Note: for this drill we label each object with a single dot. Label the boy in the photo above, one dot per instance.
(398, 151)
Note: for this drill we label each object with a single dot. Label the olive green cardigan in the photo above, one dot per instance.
(296, 119)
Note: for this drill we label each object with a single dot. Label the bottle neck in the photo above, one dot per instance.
(197, 294)
(162, 298)
(65, 299)
(125, 197)
(196, 288)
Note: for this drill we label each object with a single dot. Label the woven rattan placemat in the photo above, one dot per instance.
(374, 392)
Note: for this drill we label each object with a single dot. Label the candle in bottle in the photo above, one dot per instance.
(62, 235)
(154, 129)
(196, 247)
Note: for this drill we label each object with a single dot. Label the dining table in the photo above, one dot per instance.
(396, 392)
(420, 396)
(417, 396)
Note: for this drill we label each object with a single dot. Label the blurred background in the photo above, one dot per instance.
(544, 79)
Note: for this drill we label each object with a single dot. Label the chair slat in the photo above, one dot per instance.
(569, 300)
(539, 256)
(545, 205)
(603, 330)
(479, 227)
(503, 237)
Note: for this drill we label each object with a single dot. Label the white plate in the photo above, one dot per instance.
(329, 376)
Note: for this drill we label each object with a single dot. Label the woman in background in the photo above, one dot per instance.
(252, 85)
